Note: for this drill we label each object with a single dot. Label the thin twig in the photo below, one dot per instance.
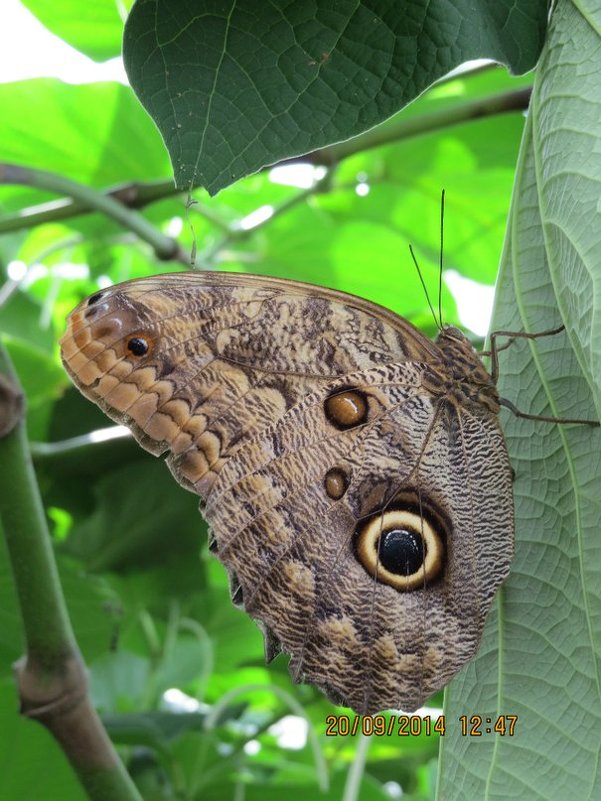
(164, 246)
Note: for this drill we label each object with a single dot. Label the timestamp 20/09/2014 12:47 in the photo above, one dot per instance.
(416, 725)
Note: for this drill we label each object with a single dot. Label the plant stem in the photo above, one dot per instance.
(51, 676)
(48, 631)
(132, 195)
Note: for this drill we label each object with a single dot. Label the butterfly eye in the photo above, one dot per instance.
(139, 345)
(401, 548)
(346, 408)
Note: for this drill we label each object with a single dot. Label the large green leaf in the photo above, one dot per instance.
(94, 28)
(141, 517)
(234, 86)
(32, 764)
(540, 657)
(94, 133)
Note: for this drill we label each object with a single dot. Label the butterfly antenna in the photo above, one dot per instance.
(441, 252)
(421, 278)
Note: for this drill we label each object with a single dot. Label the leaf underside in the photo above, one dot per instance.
(540, 655)
(229, 84)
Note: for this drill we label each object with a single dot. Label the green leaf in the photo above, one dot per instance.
(566, 113)
(236, 86)
(540, 656)
(32, 764)
(94, 28)
(142, 518)
(118, 681)
(94, 133)
(21, 318)
(189, 658)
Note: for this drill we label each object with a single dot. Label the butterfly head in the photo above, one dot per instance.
(108, 333)
(449, 335)
(466, 377)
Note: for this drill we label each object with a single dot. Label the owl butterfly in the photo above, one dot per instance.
(353, 473)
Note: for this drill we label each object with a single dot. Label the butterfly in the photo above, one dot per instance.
(353, 473)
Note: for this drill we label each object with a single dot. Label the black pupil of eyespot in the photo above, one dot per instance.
(94, 298)
(401, 552)
(138, 346)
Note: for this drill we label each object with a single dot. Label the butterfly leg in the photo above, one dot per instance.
(493, 353)
(513, 335)
(544, 418)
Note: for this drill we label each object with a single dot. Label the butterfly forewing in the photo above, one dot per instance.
(354, 473)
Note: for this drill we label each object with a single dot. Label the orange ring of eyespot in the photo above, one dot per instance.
(367, 548)
(143, 337)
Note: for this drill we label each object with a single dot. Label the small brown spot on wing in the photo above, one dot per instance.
(336, 483)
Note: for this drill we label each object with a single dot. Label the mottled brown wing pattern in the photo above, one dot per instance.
(290, 546)
(354, 474)
(227, 355)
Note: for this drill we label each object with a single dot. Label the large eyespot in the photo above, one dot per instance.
(346, 408)
(402, 548)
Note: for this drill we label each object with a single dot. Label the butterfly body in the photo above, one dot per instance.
(353, 473)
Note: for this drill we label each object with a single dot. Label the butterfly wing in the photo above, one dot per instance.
(292, 540)
(194, 363)
(301, 417)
